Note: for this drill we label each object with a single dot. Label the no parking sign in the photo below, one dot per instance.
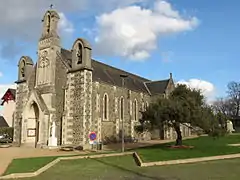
(92, 136)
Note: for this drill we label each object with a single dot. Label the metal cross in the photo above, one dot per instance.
(51, 6)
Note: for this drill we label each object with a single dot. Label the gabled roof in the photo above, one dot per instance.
(157, 87)
(12, 91)
(111, 75)
(3, 122)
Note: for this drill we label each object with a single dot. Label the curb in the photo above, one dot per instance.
(136, 157)
(184, 161)
(54, 162)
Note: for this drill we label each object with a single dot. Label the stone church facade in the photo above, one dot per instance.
(66, 94)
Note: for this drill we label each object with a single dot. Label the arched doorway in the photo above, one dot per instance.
(32, 125)
(36, 119)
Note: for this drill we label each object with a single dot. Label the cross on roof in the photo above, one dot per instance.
(51, 6)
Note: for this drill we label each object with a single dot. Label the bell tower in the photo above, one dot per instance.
(49, 45)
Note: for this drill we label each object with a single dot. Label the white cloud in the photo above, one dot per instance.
(1, 74)
(207, 88)
(133, 31)
(65, 26)
(21, 19)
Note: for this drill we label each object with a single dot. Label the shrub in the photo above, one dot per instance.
(217, 132)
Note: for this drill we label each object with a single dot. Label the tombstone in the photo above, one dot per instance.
(230, 128)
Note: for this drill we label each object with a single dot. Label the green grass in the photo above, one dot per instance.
(25, 165)
(203, 147)
(120, 168)
(28, 164)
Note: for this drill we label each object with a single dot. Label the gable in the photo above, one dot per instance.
(157, 87)
(8, 96)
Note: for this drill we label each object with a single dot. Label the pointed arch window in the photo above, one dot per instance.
(105, 107)
(22, 69)
(48, 23)
(135, 112)
(79, 53)
(121, 108)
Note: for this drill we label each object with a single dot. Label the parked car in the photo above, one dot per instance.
(5, 138)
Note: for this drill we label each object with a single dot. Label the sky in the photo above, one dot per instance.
(198, 41)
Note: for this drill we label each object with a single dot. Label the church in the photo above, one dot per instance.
(66, 95)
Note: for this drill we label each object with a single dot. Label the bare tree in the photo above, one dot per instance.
(234, 96)
(224, 106)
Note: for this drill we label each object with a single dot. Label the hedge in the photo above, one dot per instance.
(6, 130)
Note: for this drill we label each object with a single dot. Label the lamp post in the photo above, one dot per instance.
(123, 76)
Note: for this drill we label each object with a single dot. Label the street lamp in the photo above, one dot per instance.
(123, 76)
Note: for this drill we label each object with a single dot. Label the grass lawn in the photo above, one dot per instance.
(203, 147)
(24, 165)
(124, 168)
(28, 164)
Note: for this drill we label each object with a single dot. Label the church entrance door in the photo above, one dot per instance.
(32, 125)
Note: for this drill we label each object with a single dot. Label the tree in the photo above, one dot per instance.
(224, 106)
(224, 110)
(184, 105)
(234, 96)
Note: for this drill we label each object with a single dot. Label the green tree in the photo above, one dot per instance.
(184, 105)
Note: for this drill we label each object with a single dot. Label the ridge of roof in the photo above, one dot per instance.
(156, 81)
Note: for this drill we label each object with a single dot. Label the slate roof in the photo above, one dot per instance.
(111, 75)
(3, 122)
(157, 87)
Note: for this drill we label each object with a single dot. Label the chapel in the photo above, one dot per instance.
(66, 95)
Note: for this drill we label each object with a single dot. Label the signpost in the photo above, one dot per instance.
(92, 137)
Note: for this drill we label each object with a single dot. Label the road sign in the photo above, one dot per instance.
(93, 136)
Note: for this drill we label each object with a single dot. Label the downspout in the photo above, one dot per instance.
(61, 121)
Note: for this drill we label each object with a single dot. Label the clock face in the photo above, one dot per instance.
(44, 61)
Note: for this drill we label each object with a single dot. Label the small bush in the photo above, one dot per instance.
(218, 132)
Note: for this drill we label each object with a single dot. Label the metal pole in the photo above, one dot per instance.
(122, 120)
(123, 76)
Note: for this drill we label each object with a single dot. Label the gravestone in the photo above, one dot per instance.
(230, 128)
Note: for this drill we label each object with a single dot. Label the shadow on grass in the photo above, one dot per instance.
(130, 171)
(165, 146)
(155, 146)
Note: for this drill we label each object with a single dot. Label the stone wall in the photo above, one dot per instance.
(80, 106)
(58, 97)
(21, 99)
(110, 129)
(170, 87)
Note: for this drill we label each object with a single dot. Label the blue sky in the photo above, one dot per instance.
(206, 51)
